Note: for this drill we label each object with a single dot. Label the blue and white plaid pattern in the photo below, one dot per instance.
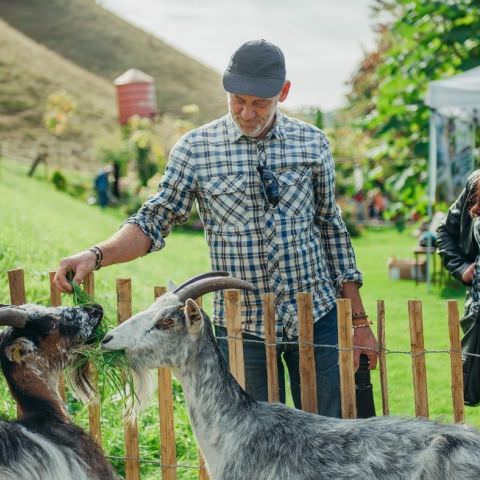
(301, 245)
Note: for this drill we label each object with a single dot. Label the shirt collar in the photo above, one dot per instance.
(277, 131)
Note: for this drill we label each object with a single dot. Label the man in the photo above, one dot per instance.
(265, 185)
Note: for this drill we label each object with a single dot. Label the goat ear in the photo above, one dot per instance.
(171, 286)
(193, 316)
(19, 349)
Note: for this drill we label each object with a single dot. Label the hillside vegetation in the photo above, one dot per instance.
(29, 73)
(101, 42)
(62, 225)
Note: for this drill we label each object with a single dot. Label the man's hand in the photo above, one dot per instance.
(467, 276)
(364, 339)
(78, 265)
(126, 244)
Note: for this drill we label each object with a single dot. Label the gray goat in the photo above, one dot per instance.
(245, 439)
(44, 444)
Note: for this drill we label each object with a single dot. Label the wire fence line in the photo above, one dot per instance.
(387, 351)
(56, 153)
(155, 462)
(168, 461)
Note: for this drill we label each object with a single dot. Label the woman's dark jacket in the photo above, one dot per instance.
(455, 240)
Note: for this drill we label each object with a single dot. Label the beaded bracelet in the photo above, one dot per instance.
(362, 325)
(366, 323)
(98, 256)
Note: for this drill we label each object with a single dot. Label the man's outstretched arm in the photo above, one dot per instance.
(127, 244)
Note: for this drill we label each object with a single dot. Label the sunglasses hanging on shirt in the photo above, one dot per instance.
(270, 186)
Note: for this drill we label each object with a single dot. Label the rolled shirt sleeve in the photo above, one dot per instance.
(173, 202)
(334, 234)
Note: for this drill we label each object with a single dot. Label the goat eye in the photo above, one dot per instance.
(44, 325)
(164, 324)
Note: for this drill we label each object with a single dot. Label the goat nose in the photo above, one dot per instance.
(107, 339)
(97, 308)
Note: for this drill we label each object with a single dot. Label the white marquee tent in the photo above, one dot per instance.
(461, 91)
(459, 97)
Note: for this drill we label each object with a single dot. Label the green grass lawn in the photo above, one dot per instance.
(40, 225)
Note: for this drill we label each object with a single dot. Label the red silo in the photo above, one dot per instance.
(135, 95)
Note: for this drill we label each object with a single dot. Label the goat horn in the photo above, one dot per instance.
(13, 317)
(198, 277)
(211, 284)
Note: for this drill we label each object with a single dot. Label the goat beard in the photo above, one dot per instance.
(142, 387)
(139, 388)
(79, 380)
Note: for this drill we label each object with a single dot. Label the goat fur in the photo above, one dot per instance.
(245, 439)
(43, 443)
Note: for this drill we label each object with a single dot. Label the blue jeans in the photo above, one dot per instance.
(326, 363)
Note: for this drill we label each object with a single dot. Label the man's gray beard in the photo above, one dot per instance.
(258, 130)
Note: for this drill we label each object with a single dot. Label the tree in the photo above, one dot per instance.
(424, 40)
(60, 107)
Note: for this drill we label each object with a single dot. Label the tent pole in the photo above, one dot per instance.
(432, 186)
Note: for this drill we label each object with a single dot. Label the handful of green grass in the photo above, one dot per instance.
(113, 373)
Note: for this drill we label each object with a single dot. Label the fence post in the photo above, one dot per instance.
(55, 295)
(418, 358)
(55, 301)
(456, 362)
(382, 358)
(16, 283)
(132, 453)
(94, 415)
(165, 406)
(271, 347)
(234, 331)
(345, 344)
(308, 377)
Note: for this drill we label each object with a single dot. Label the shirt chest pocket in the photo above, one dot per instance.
(226, 200)
(296, 192)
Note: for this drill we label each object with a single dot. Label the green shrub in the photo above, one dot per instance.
(77, 190)
(59, 180)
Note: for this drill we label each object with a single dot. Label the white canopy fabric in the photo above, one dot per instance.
(457, 96)
(461, 91)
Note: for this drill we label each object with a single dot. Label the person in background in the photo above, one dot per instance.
(455, 234)
(265, 188)
(458, 241)
(102, 187)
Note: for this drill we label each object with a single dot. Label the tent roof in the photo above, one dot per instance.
(461, 91)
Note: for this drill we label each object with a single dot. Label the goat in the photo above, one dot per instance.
(245, 439)
(43, 443)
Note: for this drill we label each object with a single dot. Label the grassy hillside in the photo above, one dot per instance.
(41, 225)
(104, 44)
(29, 73)
(61, 225)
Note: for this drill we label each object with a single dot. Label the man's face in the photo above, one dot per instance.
(253, 115)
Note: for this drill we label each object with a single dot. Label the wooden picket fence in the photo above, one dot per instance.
(168, 460)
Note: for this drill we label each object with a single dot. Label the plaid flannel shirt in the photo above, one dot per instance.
(300, 245)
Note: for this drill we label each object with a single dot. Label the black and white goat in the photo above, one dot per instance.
(44, 444)
(244, 439)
